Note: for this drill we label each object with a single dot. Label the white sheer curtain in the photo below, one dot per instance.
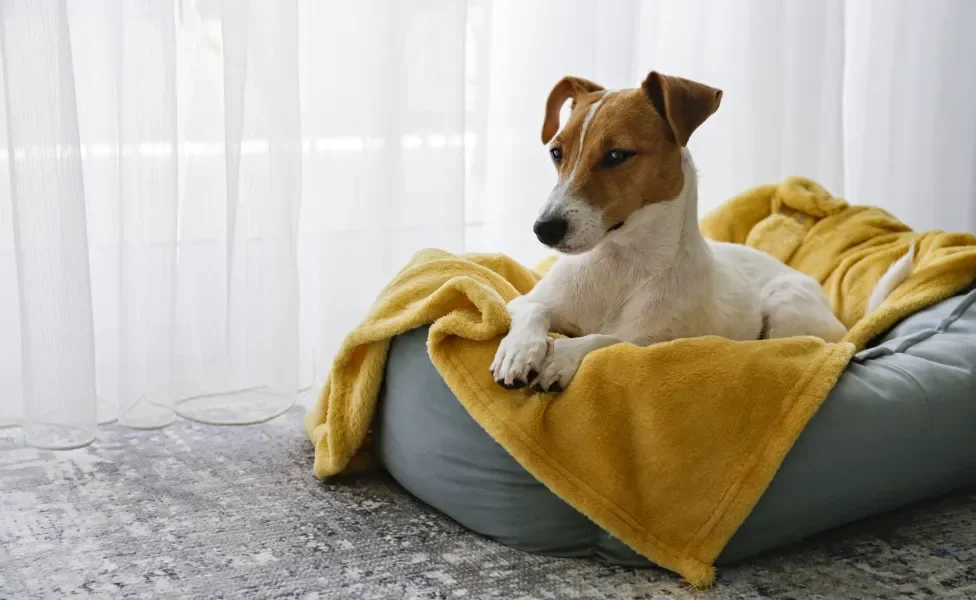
(200, 198)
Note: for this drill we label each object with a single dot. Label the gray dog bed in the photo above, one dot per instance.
(897, 428)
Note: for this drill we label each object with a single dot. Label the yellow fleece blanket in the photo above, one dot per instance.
(667, 447)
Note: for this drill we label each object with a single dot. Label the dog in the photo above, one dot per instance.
(635, 266)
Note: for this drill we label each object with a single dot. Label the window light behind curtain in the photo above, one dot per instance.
(199, 198)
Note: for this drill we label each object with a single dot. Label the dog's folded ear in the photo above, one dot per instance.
(566, 88)
(683, 103)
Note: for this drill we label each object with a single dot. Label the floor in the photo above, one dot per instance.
(196, 511)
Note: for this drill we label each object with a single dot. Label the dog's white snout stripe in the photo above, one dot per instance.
(560, 195)
(586, 124)
(584, 221)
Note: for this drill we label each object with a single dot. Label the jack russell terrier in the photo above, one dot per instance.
(637, 269)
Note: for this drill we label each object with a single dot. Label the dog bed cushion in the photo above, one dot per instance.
(724, 414)
(896, 429)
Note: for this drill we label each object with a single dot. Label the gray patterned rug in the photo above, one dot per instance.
(194, 511)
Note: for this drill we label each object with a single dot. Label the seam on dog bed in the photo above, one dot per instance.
(902, 344)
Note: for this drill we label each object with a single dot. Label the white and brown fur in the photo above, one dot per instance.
(637, 269)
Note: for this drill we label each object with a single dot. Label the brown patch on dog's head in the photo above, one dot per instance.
(621, 150)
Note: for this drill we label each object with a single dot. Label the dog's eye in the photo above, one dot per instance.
(556, 154)
(615, 157)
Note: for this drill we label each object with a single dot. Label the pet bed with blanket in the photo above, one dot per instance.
(669, 448)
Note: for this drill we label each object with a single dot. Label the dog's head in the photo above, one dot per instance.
(618, 152)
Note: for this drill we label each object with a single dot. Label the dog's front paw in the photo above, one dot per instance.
(518, 360)
(559, 367)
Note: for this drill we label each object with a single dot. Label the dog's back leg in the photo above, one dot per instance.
(793, 304)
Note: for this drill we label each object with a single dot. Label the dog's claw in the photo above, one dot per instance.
(515, 385)
(555, 388)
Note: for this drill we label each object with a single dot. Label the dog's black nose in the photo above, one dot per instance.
(551, 231)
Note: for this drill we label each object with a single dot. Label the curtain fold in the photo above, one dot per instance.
(52, 344)
(198, 198)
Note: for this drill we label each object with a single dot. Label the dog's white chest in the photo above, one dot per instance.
(628, 310)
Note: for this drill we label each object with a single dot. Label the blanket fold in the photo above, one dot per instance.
(667, 447)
